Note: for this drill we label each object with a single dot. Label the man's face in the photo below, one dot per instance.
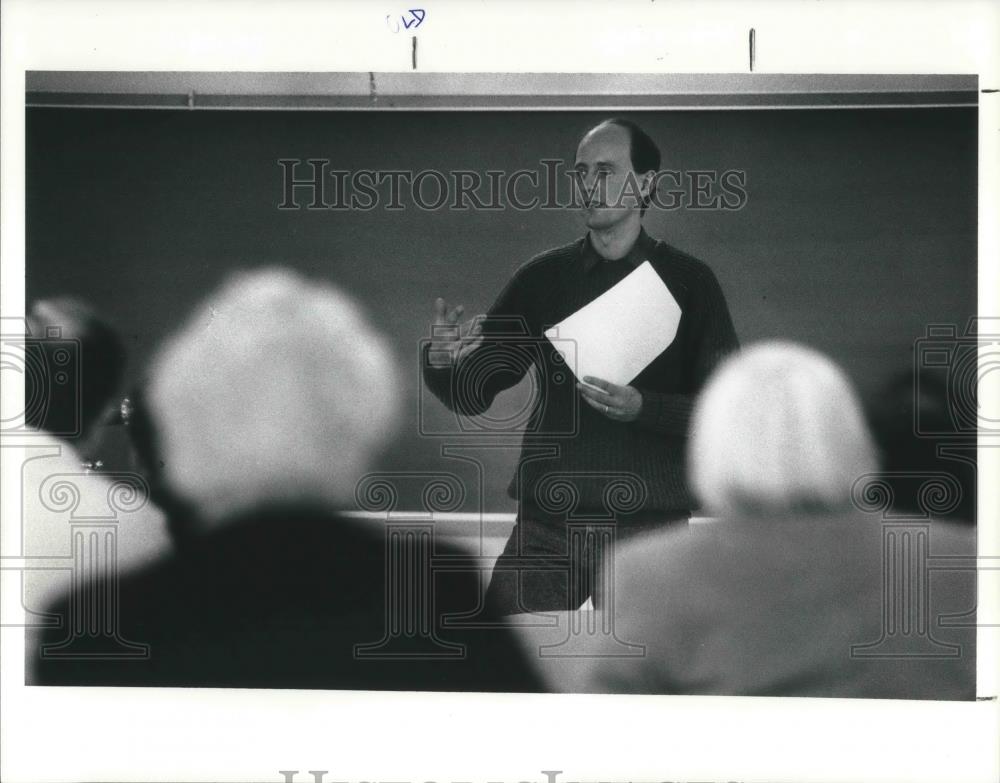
(609, 187)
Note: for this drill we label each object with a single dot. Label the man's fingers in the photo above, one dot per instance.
(470, 344)
(610, 388)
(472, 327)
(595, 395)
(600, 407)
(445, 315)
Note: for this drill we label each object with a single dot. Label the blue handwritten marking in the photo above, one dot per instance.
(415, 19)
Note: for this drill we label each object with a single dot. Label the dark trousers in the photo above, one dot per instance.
(556, 565)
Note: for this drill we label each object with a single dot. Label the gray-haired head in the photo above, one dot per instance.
(277, 389)
(778, 429)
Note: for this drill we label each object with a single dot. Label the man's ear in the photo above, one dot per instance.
(646, 185)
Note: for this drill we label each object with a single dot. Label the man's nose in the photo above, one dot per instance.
(591, 182)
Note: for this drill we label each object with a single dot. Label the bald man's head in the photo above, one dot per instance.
(616, 162)
(644, 154)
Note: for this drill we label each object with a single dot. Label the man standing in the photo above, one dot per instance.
(637, 430)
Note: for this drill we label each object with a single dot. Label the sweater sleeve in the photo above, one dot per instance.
(501, 360)
(712, 338)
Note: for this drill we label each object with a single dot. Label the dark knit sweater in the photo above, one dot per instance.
(590, 449)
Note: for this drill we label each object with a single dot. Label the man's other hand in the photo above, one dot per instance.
(450, 340)
(620, 403)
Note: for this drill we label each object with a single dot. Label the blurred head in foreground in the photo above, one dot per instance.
(778, 429)
(259, 416)
(79, 360)
(276, 390)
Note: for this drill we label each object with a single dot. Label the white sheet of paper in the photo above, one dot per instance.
(617, 335)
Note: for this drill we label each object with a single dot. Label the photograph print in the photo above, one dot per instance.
(604, 383)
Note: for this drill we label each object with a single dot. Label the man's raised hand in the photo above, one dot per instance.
(451, 340)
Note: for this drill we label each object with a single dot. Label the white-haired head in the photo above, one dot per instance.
(778, 428)
(277, 389)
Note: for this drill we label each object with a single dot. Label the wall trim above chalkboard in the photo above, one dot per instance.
(485, 91)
